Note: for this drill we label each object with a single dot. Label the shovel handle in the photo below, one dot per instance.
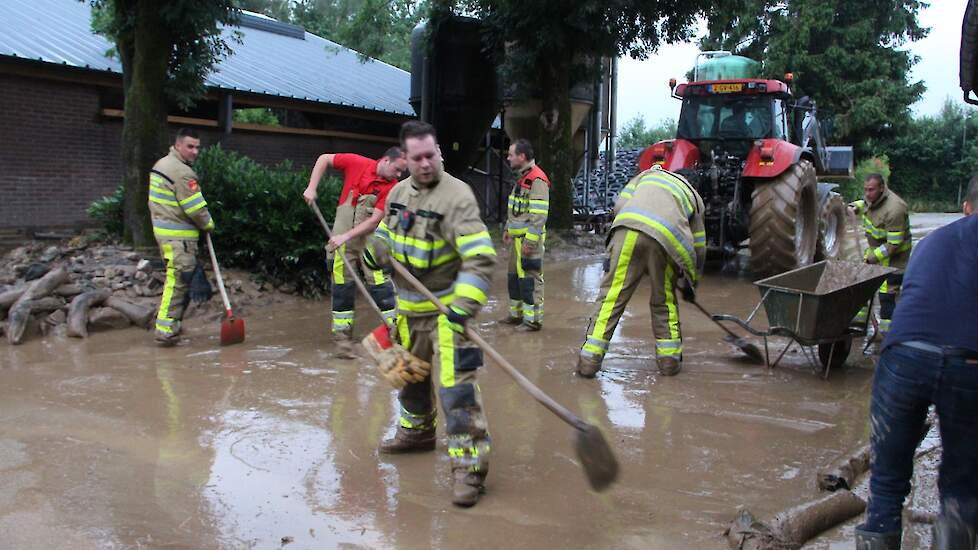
(562, 412)
(710, 316)
(349, 267)
(217, 274)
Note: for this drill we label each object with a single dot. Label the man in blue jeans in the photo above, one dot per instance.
(930, 356)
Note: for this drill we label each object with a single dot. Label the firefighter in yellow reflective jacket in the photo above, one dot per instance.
(432, 227)
(657, 231)
(179, 213)
(525, 233)
(886, 221)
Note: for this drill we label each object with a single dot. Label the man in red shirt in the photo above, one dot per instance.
(366, 183)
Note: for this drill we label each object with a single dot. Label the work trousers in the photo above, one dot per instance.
(344, 291)
(525, 282)
(633, 256)
(906, 383)
(456, 360)
(180, 257)
(889, 292)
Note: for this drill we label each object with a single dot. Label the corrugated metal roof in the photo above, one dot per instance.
(315, 69)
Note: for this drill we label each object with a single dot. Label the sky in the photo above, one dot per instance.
(643, 86)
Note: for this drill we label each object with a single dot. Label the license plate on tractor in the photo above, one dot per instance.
(727, 88)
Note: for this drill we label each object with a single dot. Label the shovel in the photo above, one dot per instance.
(232, 329)
(750, 350)
(597, 459)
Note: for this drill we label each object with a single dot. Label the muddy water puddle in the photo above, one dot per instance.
(114, 443)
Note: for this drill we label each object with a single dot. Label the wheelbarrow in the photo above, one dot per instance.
(815, 306)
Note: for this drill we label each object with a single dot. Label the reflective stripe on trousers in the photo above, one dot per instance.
(633, 256)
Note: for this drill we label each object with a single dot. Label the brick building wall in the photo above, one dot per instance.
(57, 154)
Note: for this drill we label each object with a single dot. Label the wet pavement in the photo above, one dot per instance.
(112, 442)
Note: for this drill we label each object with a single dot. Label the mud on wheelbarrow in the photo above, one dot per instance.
(815, 306)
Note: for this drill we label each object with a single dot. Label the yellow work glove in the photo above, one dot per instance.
(397, 365)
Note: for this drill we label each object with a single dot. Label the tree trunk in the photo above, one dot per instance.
(556, 146)
(145, 56)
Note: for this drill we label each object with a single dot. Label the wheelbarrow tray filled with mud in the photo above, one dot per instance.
(815, 305)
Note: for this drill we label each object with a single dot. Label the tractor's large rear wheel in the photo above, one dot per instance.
(784, 221)
(832, 228)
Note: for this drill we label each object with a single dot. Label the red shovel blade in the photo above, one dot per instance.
(232, 330)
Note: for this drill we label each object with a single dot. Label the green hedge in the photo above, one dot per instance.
(263, 225)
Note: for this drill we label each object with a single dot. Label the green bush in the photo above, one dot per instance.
(107, 211)
(262, 223)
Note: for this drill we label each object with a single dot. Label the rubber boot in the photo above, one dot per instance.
(669, 366)
(409, 441)
(345, 349)
(588, 367)
(952, 534)
(512, 321)
(466, 489)
(528, 326)
(170, 339)
(868, 540)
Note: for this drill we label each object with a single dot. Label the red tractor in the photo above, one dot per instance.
(754, 154)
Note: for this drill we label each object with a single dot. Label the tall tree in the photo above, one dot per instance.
(845, 54)
(636, 134)
(166, 47)
(547, 46)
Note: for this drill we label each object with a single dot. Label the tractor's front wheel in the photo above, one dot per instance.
(832, 228)
(784, 221)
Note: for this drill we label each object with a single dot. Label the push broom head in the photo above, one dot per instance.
(597, 459)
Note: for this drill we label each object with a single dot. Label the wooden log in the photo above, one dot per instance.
(20, 311)
(842, 473)
(69, 290)
(792, 528)
(139, 315)
(78, 311)
(9, 297)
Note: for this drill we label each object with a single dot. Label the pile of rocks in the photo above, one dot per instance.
(75, 287)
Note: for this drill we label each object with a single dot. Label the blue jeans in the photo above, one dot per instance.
(907, 381)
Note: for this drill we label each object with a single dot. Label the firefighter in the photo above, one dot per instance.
(886, 221)
(526, 232)
(366, 184)
(657, 231)
(179, 213)
(432, 227)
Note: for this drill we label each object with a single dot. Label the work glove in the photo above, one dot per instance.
(688, 290)
(397, 365)
(200, 288)
(457, 319)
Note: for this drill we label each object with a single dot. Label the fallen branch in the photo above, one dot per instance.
(139, 315)
(20, 311)
(842, 473)
(790, 529)
(78, 311)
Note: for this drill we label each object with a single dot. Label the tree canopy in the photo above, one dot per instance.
(636, 134)
(845, 54)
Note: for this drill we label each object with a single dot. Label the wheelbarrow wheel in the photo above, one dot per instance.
(834, 354)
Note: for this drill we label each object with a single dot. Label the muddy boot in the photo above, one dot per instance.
(867, 540)
(529, 327)
(466, 489)
(587, 367)
(669, 366)
(169, 339)
(345, 348)
(951, 533)
(512, 321)
(409, 441)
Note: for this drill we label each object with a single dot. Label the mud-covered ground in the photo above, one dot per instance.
(111, 442)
